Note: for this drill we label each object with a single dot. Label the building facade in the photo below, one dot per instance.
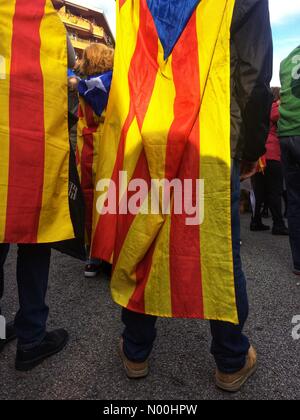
(85, 26)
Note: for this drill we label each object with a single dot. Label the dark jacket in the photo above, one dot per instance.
(251, 73)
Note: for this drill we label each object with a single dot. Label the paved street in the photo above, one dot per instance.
(181, 366)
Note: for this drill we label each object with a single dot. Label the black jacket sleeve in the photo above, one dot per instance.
(71, 54)
(252, 68)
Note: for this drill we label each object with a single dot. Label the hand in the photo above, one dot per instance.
(58, 4)
(248, 169)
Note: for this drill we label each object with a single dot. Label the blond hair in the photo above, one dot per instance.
(97, 58)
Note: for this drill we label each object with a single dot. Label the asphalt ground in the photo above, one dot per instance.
(181, 365)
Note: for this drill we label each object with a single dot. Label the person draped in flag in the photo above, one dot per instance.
(96, 66)
(289, 135)
(34, 162)
(190, 100)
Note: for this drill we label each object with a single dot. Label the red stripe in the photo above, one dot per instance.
(122, 2)
(137, 300)
(111, 227)
(27, 131)
(87, 180)
(87, 163)
(142, 77)
(125, 221)
(183, 155)
(105, 234)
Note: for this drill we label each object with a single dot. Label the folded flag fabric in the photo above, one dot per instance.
(95, 91)
(168, 118)
(94, 94)
(34, 143)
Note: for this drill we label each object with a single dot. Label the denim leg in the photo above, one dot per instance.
(4, 248)
(139, 335)
(229, 346)
(290, 148)
(32, 275)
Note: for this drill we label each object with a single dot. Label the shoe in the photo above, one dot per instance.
(133, 370)
(10, 335)
(234, 382)
(281, 231)
(53, 343)
(258, 227)
(296, 272)
(92, 270)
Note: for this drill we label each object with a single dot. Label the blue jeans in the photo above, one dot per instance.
(290, 148)
(229, 345)
(33, 265)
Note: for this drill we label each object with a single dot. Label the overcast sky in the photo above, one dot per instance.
(285, 17)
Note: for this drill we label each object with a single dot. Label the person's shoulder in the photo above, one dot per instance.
(242, 10)
(288, 60)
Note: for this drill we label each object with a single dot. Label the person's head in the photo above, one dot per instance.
(276, 93)
(73, 83)
(58, 4)
(97, 59)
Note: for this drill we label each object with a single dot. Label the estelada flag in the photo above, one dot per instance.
(168, 117)
(34, 140)
(93, 97)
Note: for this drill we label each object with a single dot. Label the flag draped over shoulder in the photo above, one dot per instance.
(168, 118)
(34, 143)
(94, 93)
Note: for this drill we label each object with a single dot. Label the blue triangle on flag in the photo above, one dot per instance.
(171, 18)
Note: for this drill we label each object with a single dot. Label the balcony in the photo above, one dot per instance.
(75, 21)
(98, 31)
(80, 44)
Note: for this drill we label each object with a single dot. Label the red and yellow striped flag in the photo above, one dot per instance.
(168, 117)
(34, 144)
(89, 135)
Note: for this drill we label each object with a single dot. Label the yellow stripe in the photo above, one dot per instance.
(133, 149)
(116, 115)
(158, 288)
(55, 222)
(146, 227)
(80, 140)
(7, 10)
(119, 99)
(98, 138)
(213, 26)
(140, 236)
(155, 134)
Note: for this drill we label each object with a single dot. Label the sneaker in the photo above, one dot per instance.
(92, 270)
(258, 227)
(280, 231)
(234, 382)
(53, 343)
(296, 272)
(133, 370)
(10, 335)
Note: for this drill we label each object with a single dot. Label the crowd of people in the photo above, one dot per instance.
(268, 183)
(265, 128)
